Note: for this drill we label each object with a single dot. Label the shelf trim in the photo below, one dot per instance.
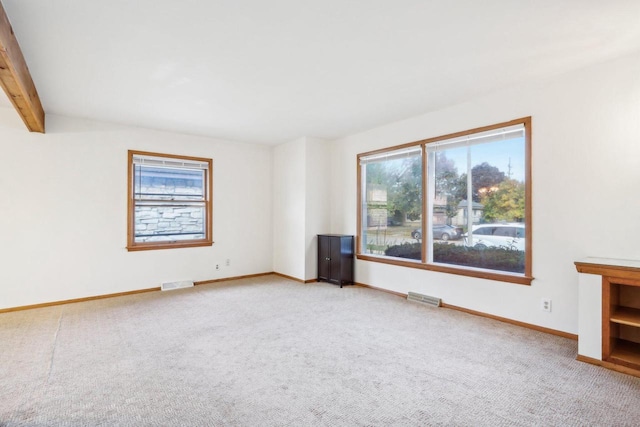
(626, 316)
(627, 269)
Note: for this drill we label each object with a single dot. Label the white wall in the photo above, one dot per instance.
(586, 173)
(301, 188)
(318, 179)
(289, 208)
(61, 239)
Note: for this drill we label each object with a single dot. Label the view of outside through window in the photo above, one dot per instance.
(393, 198)
(474, 201)
(169, 203)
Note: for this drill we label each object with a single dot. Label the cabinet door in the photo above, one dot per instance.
(346, 259)
(324, 257)
(335, 253)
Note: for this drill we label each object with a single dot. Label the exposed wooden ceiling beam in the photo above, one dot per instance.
(16, 80)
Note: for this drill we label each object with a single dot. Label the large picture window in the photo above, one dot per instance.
(459, 203)
(169, 201)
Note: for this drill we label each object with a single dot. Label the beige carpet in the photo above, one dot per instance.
(271, 352)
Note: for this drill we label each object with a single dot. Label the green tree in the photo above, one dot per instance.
(507, 203)
(402, 180)
(483, 176)
(447, 183)
(446, 173)
(404, 195)
(376, 174)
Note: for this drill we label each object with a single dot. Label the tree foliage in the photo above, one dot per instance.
(483, 176)
(404, 195)
(447, 179)
(402, 179)
(507, 203)
(503, 198)
(447, 183)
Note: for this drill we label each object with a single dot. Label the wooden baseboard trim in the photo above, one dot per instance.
(490, 316)
(289, 277)
(294, 278)
(513, 322)
(608, 365)
(119, 294)
(74, 300)
(398, 294)
(226, 279)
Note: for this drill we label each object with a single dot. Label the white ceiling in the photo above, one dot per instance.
(272, 71)
(4, 101)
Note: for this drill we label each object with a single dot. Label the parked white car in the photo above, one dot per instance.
(510, 235)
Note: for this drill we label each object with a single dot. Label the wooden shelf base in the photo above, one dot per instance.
(626, 353)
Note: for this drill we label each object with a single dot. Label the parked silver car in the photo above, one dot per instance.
(442, 232)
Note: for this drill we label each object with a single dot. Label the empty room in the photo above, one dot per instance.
(336, 213)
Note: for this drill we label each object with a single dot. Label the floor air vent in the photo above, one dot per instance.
(412, 296)
(168, 286)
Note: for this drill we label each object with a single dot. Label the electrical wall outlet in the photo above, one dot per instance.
(545, 305)
(217, 267)
(227, 262)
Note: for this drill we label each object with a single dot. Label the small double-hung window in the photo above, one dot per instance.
(169, 202)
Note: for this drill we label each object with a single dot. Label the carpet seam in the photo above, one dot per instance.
(55, 345)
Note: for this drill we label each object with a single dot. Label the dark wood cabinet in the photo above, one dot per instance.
(335, 259)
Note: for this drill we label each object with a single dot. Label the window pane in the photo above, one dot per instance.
(169, 201)
(166, 183)
(392, 204)
(162, 223)
(491, 175)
